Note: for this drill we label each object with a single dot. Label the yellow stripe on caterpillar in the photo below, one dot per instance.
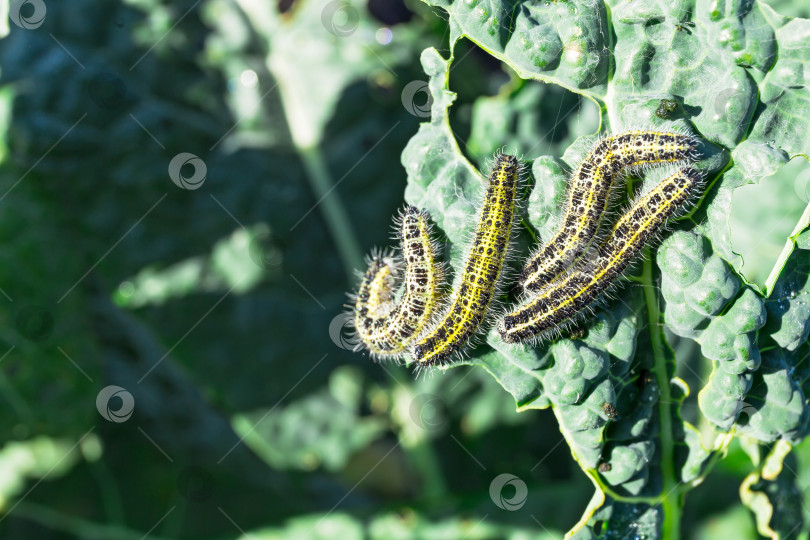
(589, 196)
(481, 272)
(386, 328)
(560, 302)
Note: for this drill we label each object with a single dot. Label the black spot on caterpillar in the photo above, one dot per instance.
(387, 328)
(589, 196)
(465, 314)
(560, 302)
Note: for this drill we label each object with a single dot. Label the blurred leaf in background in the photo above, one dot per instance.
(185, 191)
(195, 301)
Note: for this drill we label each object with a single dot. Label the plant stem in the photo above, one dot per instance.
(670, 502)
(803, 223)
(73, 526)
(417, 445)
(330, 206)
(110, 497)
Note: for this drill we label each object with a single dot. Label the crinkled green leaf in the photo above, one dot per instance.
(788, 305)
(318, 431)
(764, 215)
(736, 74)
(561, 42)
(771, 493)
(512, 119)
(698, 287)
(775, 407)
(610, 519)
(580, 378)
(695, 283)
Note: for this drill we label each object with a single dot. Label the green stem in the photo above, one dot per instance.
(790, 244)
(417, 445)
(18, 404)
(423, 457)
(110, 497)
(306, 133)
(330, 206)
(670, 503)
(80, 528)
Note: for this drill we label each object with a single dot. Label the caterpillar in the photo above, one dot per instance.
(376, 292)
(386, 328)
(482, 269)
(589, 196)
(559, 303)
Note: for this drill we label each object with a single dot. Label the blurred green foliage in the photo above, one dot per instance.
(219, 308)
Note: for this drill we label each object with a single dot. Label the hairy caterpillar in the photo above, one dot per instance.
(376, 292)
(557, 304)
(386, 328)
(481, 272)
(589, 196)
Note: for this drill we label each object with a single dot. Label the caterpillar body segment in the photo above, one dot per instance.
(387, 327)
(558, 304)
(589, 196)
(377, 287)
(466, 312)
